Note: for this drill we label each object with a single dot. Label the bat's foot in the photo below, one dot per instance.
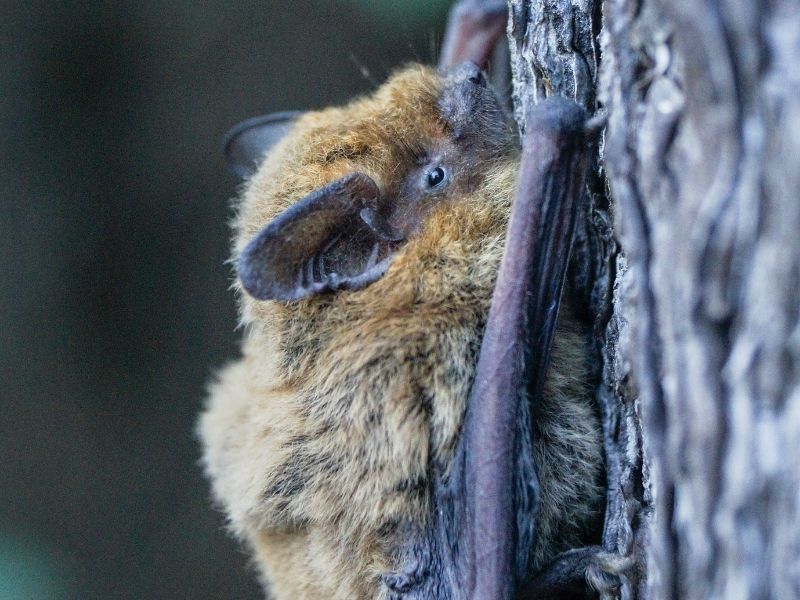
(410, 580)
(605, 570)
(473, 30)
(577, 575)
(405, 581)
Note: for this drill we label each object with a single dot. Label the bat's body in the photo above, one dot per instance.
(326, 440)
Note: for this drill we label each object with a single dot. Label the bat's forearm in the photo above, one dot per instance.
(516, 347)
(473, 30)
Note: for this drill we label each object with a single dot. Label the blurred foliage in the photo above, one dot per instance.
(27, 572)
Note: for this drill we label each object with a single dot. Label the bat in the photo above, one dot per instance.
(410, 417)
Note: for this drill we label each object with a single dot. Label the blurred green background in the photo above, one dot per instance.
(114, 303)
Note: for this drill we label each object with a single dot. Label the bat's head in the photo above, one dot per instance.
(338, 194)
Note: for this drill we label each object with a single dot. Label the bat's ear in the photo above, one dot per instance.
(336, 237)
(247, 143)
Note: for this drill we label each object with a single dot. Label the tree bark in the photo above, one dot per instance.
(694, 284)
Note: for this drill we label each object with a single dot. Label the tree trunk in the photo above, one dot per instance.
(695, 287)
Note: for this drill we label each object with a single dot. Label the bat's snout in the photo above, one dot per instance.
(467, 72)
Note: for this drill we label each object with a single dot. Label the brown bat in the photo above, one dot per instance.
(411, 415)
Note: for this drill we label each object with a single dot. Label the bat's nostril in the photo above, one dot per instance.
(478, 78)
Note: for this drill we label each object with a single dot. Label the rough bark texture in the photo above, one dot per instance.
(696, 294)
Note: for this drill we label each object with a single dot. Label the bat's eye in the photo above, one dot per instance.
(436, 177)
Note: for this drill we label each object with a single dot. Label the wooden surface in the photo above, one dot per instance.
(689, 266)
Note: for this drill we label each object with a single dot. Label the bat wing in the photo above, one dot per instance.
(485, 508)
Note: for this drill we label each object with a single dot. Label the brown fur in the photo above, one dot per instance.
(319, 440)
